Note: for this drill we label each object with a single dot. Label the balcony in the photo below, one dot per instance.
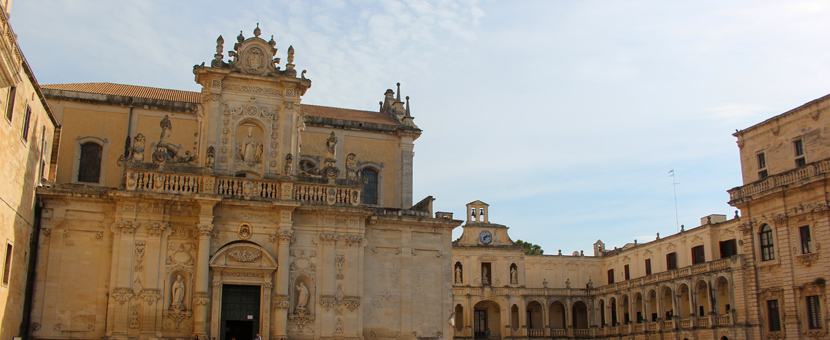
(178, 183)
(706, 267)
(757, 189)
(11, 58)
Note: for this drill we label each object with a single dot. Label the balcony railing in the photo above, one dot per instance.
(782, 179)
(701, 268)
(703, 321)
(241, 188)
(536, 333)
(668, 325)
(582, 333)
(558, 332)
(722, 320)
(686, 323)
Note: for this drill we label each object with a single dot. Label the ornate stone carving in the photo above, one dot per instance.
(165, 152)
(151, 296)
(327, 238)
(47, 232)
(338, 326)
(176, 316)
(140, 247)
(244, 255)
(210, 158)
(352, 172)
(122, 295)
(135, 316)
(36, 326)
(281, 302)
(807, 259)
(177, 293)
(354, 240)
(57, 327)
(351, 302)
(201, 298)
(250, 89)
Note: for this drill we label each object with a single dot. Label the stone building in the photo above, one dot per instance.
(759, 275)
(26, 131)
(237, 211)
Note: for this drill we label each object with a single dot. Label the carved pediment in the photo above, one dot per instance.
(243, 255)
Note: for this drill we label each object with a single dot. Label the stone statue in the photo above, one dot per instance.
(302, 297)
(545, 283)
(568, 283)
(287, 167)
(178, 292)
(351, 167)
(458, 275)
(250, 146)
(514, 276)
(484, 279)
(590, 284)
(166, 129)
(331, 142)
(210, 158)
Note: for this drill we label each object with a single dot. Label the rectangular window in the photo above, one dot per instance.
(648, 266)
(762, 164)
(728, 248)
(26, 120)
(806, 243)
(773, 316)
(697, 255)
(627, 273)
(7, 266)
(798, 148)
(813, 312)
(762, 161)
(671, 261)
(10, 103)
(610, 276)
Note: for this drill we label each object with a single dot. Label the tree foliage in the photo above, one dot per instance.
(530, 248)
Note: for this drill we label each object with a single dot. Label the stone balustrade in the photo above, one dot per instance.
(668, 325)
(737, 194)
(178, 183)
(717, 265)
(722, 320)
(686, 323)
(558, 332)
(536, 333)
(703, 321)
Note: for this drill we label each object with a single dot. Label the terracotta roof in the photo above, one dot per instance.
(196, 97)
(129, 91)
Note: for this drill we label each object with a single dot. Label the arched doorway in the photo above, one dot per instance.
(684, 301)
(666, 302)
(535, 325)
(724, 298)
(242, 274)
(602, 322)
(625, 308)
(652, 305)
(639, 313)
(613, 304)
(486, 320)
(579, 313)
(514, 318)
(703, 304)
(556, 316)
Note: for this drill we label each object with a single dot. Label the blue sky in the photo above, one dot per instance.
(564, 116)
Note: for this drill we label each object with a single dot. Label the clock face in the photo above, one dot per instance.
(485, 237)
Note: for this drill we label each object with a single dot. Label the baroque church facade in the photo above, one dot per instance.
(239, 210)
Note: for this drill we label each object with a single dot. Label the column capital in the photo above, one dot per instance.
(205, 229)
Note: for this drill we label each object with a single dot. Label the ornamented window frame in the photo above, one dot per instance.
(76, 162)
(761, 245)
(379, 168)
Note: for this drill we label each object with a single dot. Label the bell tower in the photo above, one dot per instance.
(251, 122)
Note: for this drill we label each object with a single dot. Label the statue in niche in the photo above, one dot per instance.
(568, 283)
(458, 275)
(178, 293)
(590, 284)
(250, 151)
(351, 167)
(331, 143)
(514, 276)
(302, 298)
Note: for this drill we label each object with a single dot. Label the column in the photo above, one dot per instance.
(281, 301)
(201, 295)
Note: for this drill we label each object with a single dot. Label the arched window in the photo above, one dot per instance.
(89, 165)
(370, 185)
(767, 249)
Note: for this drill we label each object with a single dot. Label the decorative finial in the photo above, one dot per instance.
(398, 99)
(407, 107)
(381, 106)
(240, 37)
(272, 42)
(291, 55)
(219, 42)
(302, 74)
(257, 31)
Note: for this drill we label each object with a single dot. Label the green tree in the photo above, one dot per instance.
(530, 248)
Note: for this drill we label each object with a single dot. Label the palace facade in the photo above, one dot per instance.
(239, 210)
